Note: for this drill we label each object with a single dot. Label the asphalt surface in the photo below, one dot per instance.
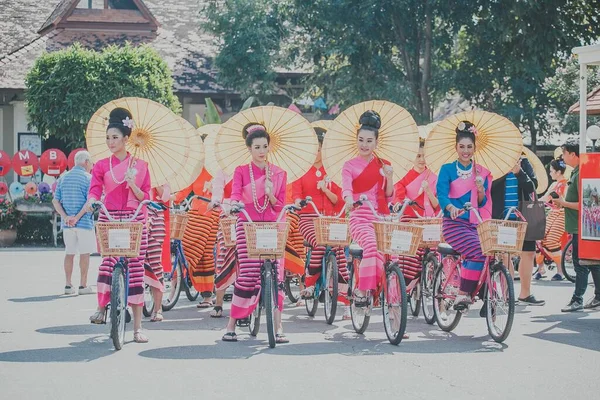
(48, 350)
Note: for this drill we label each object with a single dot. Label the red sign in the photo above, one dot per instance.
(5, 163)
(53, 162)
(589, 206)
(25, 163)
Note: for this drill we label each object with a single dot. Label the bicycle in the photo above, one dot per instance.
(265, 241)
(494, 279)
(566, 261)
(333, 233)
(120, 239)
(393, 238)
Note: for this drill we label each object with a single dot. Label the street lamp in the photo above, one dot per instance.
(593, 132)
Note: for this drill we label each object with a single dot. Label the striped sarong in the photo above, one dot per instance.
(555, 228)
(135, 265)
(370, 269)
(227, 264)
(246, 291)
(462, 236)
(294, 248)
(157, 231)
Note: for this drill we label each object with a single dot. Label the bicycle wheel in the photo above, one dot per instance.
(173, 289)
(566, 262)
(500, 299)
(430, 265)
(270, 290)
(254, 325)
(292, 287)
(415, 300)
(393, 304)
(190, 291)
(360, 315)
(312, 304)
(331, 288)
(148, 301)
(446, 316)
(118, 307)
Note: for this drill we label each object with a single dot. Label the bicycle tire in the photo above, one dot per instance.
(331, 298)
(445, 324)
(360, 315)
(570, 276)
(254, 325)
(396, 292)
(289, 281)
(430, 266)
(312, 304)
(118, 307)
(496, 334)
(148, 301)
(414, 301)
(173, 296)
(268, 285)
(190, 291)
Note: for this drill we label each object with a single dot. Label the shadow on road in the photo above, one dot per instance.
(38, 299)
(582, 333)
(85, 351)
(83, 329)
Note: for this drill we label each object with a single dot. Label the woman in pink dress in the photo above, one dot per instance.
(372, 176)
(260, 186)
(124, 181)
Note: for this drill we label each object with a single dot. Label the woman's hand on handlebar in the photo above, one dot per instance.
(455, 212)
(349, 204)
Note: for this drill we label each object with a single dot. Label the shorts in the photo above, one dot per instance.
(79, 241)
(528, 245)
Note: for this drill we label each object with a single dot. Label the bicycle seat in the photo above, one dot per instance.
(447, 250)
(356, 251)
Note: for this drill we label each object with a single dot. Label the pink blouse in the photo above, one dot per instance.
(117, 198)
(242, 191)
(351, 170)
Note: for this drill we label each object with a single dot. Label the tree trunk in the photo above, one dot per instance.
(533, 131)
(426, 74)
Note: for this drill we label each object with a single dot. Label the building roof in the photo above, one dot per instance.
(179, 40)
(593, 104)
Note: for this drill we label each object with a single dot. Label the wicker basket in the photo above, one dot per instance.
(228, 226)
(179, 220)
(498, 235)
(266, 239)
(398, 238)
(432, 231)
(119, 239)
(332, 231)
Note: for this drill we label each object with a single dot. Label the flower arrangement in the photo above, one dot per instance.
(10, 217)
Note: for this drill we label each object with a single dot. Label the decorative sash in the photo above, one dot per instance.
(370, 177)
(119, 172)
(459, 187)
(414, 190)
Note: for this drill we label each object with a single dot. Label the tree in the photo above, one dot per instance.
(509, 48)
(354, 49)
(65, 88)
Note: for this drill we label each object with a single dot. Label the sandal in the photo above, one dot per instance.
(280, 338)
(139, 337)
(205, 304)
(308, 293)
(361, 301)
(229, 337)
(97, 317)
(156, 317)
(217, 312)
(347, 316)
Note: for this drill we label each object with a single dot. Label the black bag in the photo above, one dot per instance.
(534, 213)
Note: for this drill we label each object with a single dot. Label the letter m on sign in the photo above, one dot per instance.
(23, 155)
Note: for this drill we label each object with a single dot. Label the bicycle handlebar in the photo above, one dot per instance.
(102, 206)
(308, 200)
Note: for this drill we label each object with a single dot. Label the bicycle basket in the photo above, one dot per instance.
(432, 231)
(228, 226)
(179, 220)
(119, 239)
(266, 239)
(398, 238)
(332, 231)
(498, 235)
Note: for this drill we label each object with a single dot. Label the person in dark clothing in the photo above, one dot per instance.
(518, 185)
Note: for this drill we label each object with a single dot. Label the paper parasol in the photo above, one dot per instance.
(187, 175)
(5, 163)
(398, 138)
(25, 163)
(539, 169)
(53, 162)
(294, 144)
(158, 137)
(210, 162)
(498, 142)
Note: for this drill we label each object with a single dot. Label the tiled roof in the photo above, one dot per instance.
(180, 42)
(593, 104)
(61, 8)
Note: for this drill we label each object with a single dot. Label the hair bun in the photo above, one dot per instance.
(251, 128)
(371, 119)
(118, 115)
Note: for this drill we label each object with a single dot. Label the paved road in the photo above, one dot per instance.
(49, 351)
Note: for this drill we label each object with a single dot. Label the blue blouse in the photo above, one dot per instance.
(446, 176)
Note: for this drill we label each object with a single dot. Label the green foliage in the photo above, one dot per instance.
(65, 88)
(248, 103)
(10, 217)
(35, 230)
(211, 116)
(199, 121)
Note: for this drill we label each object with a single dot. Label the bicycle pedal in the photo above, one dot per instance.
(322, 297)
(243, 323)
(127, 316)
(228, 297)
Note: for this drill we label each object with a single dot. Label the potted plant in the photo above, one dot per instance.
(39, 203)
(10, 219)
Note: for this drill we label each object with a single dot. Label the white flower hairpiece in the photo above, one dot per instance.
(461, 126)
(128, 123)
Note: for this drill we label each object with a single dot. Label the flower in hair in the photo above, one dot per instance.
(254, 128)
(128, 123)
(461, 126)
(473, 130)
